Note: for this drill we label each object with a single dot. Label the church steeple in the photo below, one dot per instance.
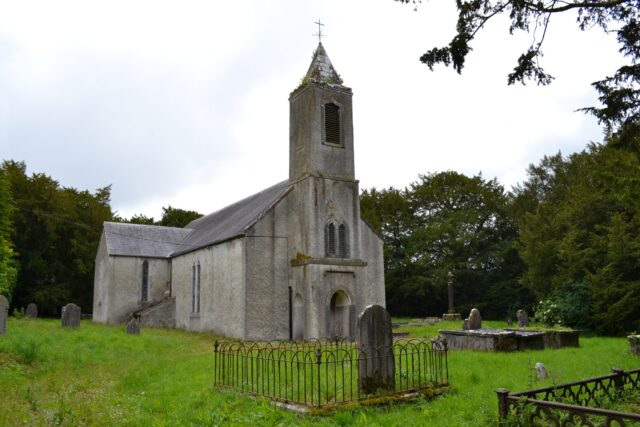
(321, 124)
(321, 70)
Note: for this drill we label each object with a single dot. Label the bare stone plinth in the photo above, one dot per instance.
(32, 311)
(71, 316)
(375, 344)
(452, 316)
(4, 313)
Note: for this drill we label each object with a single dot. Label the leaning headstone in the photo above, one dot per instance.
(523, 319)
(475, 321)
(541, 371)
(375, 344)
(133, 327)
(70, 316)
(32, 311)
(4, 313)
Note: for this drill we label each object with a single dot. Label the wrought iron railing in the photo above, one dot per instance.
(574, 403)
(322, 373)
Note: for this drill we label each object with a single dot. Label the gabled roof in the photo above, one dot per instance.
(142, 240)
(321, 70)
(232, 221)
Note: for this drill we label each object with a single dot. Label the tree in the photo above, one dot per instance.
(8, 265)
(448, 222)
(59, 230)
(619, 93)
(175, 217)
(580, 235)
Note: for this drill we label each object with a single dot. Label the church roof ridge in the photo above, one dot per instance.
(231, 221)
(321, 69)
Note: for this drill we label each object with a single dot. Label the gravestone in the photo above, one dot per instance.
(541, 371)
(133, 327)
(4, 313)
(70, 316)
(465, 325)
(475, 321)
(523, 319)
(32, 311)
(375, 344)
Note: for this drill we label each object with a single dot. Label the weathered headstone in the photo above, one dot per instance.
(634, 343)
(4, 313)
(375, 344)
(71, 316)
(523, 319)
(475, 321)
(32, 311)
(465, 325)
(133, 327)
(541, 371)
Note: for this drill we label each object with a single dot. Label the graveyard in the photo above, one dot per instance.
(101, 375)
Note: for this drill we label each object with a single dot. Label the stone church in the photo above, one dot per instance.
(293, 261)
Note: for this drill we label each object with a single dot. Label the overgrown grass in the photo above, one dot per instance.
(99, 375)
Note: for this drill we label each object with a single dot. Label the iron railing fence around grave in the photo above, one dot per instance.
(575, 403)
(324, 373)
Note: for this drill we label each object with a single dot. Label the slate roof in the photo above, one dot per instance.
(321, 70)
(142, 240)
(231, 221)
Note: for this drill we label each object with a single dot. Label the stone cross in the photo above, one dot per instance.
(523, 318)
(133, 327)
(475, 321)
(70, 316)
(32, 311)
(375, 344)
(450, 287)
(4, 313)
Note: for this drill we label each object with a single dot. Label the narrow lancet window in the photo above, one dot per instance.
(332, 124)
(198, 288)
(330, 239)
(193, 288)
(342, 241)
(144, 294)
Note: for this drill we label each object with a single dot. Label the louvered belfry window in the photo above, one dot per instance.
(332, 124)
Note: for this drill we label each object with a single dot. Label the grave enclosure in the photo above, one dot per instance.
(314, 375)
(474, 337)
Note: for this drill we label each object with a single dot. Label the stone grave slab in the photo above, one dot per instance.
(375, 344)
(71, 316)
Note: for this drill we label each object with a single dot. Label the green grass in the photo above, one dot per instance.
(99, 375)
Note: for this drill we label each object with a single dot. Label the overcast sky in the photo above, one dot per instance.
(186, 103)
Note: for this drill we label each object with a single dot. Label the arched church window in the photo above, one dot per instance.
(144, 293)
(342, 241)
(330, 239)
(332, 124)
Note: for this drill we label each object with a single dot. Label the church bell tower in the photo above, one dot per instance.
(321, 124)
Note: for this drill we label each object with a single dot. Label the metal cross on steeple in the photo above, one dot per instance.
(319, 33)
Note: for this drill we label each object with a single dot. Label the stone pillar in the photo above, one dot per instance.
(4, 313)
(451, 314)
(375, 344)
